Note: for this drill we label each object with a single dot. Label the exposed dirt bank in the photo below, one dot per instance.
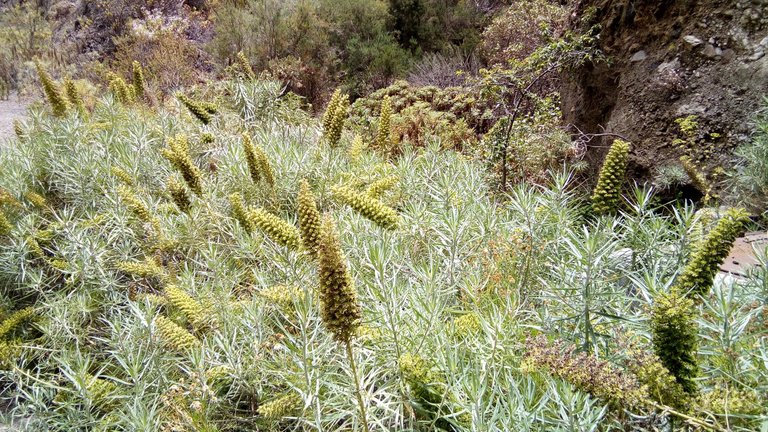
(671, 59)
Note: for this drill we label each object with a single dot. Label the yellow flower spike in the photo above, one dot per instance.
(134, 204)
(239, 211)
(35, 248)
(607, 193)
(120, 89)
(199, 110)
(100, 389)
(675, 337)
(74, 96)
(280, 407)
(177, 153)
(153, 299)
(218, 374)
(378, 187)
(148, 268)
(334, 117)
(330, 111)
(265, 168)
(699, 273)
(370, 208)
(192, 310)
(36, 200)
(356, 149)
(650, 372)
(309, 219)
(15, 320)
(277, 229)
(251, 158)
(139, 86)
(178, 194)
(174, 336)
(282, 296)
(697, 177)
(7, 198)
(52, 92)
(18, 128)
(384, 130)
(339, 118)
(122, 175)
(245, 66)
(9, 354)
(339, 309)
(5, 225)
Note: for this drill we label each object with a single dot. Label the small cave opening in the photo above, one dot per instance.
(680, 193)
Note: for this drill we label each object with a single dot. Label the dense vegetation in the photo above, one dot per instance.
(313, 46)
(231, 263)
(188, 242)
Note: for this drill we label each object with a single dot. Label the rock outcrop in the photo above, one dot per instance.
(670, 59)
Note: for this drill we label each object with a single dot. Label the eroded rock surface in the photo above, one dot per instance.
(671, 59)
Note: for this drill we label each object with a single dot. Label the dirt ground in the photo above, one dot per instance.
(9, 110)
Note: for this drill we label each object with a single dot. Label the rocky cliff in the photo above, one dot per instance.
(670, 59)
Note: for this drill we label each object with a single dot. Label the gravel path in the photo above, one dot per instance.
(9, 110)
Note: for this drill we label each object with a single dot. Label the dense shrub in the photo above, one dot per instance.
(521, 28)
(169, 58)
(536, 146)
(25, 34)
(454, 113)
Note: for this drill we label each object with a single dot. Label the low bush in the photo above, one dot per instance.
(749, 181)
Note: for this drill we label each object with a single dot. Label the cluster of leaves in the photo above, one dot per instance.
(152, 317)
(316, 45)
(518, 30)
(157, 37)
(454, 113)
(535, 145)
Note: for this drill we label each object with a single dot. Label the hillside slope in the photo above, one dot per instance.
(671, 59)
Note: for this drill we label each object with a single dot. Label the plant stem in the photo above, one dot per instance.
(358, 393)
(693, 420)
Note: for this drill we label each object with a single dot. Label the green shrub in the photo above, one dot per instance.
(749, 182)
(203, 323)
(25, 35)
(537, 145)
(453, 103)
(519, 29)
(163, 51)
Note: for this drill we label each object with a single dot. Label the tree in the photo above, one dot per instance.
(515, 89)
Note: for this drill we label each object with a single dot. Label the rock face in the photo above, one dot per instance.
(670, 59)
